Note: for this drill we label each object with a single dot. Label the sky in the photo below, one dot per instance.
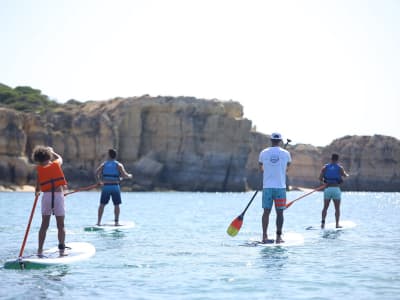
(312, 70)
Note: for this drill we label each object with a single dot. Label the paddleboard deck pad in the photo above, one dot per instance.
(290, 239)
(123, 225)
(332, 226)
(74, 252)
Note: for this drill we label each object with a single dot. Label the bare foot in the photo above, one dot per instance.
(268, 241)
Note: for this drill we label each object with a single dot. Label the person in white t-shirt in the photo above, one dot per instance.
(274, 162)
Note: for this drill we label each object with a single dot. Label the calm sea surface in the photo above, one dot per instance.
(179, 249)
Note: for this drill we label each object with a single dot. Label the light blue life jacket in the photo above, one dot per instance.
(332, 173)
(111, 171)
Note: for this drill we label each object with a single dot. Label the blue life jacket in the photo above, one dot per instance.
(332, 173)
(111, 171)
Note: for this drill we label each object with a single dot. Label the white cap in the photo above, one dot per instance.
(276, 136)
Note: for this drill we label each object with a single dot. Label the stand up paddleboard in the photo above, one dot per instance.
(111, 226)
(75, 252)
(290, 238)
(332, 226)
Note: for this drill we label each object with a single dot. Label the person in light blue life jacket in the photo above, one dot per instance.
(332, 175)
(109, 174)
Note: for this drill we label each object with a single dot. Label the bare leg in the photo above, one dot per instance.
(337, 212)
(279, 225)
(265, 222)
(100, 214)
(61, 232)
(42, 232)
(116, 214)
(324, 212)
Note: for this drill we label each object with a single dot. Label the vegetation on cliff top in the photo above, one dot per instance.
(27, 99)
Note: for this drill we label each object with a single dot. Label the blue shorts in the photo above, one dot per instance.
(113, 191)
(332, 192)
(274, 195)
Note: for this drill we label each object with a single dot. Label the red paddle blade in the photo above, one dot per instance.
(235, 226)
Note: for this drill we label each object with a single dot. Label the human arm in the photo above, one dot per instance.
(123, 172)
(37, 187)
(98, 172)
(321, 175)
(288, 166)
(343, 172)
(56, 157)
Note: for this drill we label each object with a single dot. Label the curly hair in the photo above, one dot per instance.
(41, 154)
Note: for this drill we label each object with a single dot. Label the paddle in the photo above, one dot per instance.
(236, 224)
(86, 188)
(21, 252)
(306, 194)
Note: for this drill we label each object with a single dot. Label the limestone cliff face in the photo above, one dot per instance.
(172, 143)
(179, 143)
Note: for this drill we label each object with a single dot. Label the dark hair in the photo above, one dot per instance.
(41, 154)
(112, 153)
(335, 157)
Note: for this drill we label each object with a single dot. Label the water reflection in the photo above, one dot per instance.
(331, 234)
(274, 257)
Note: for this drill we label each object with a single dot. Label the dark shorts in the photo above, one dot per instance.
(113, 191)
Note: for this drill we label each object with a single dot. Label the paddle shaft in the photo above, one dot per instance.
(28, 226)
(306, 194)
(248, 204)
(86, 188)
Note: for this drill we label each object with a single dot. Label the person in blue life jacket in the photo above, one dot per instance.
(109, 174)
(332, 175)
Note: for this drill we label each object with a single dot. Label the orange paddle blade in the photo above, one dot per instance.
(235, 226)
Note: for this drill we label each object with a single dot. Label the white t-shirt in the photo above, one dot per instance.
(275, 161)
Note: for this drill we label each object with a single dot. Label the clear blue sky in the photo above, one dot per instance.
(312, 70)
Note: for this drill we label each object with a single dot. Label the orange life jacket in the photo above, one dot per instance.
(50, 176)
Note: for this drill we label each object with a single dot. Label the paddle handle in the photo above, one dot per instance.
(28, 227)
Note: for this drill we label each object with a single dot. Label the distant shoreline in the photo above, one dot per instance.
(17, 188)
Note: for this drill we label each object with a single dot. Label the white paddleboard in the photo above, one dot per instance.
(75, 251)
(332, 226)
(290, 239)
(123, 225)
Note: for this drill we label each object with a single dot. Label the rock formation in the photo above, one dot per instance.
(178, 143)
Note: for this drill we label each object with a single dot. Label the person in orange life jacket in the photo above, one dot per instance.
(109, 174)
(332, 175)
(51, 181)
(274, 162)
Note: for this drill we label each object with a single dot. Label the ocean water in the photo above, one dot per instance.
(179, 249)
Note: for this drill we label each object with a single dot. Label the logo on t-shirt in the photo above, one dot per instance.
(274, 158)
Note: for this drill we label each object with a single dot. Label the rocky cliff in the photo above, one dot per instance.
(178, 143)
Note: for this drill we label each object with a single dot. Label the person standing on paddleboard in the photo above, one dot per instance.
(51, 181)
(332, 175)
(108, 175)
(274, 162)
